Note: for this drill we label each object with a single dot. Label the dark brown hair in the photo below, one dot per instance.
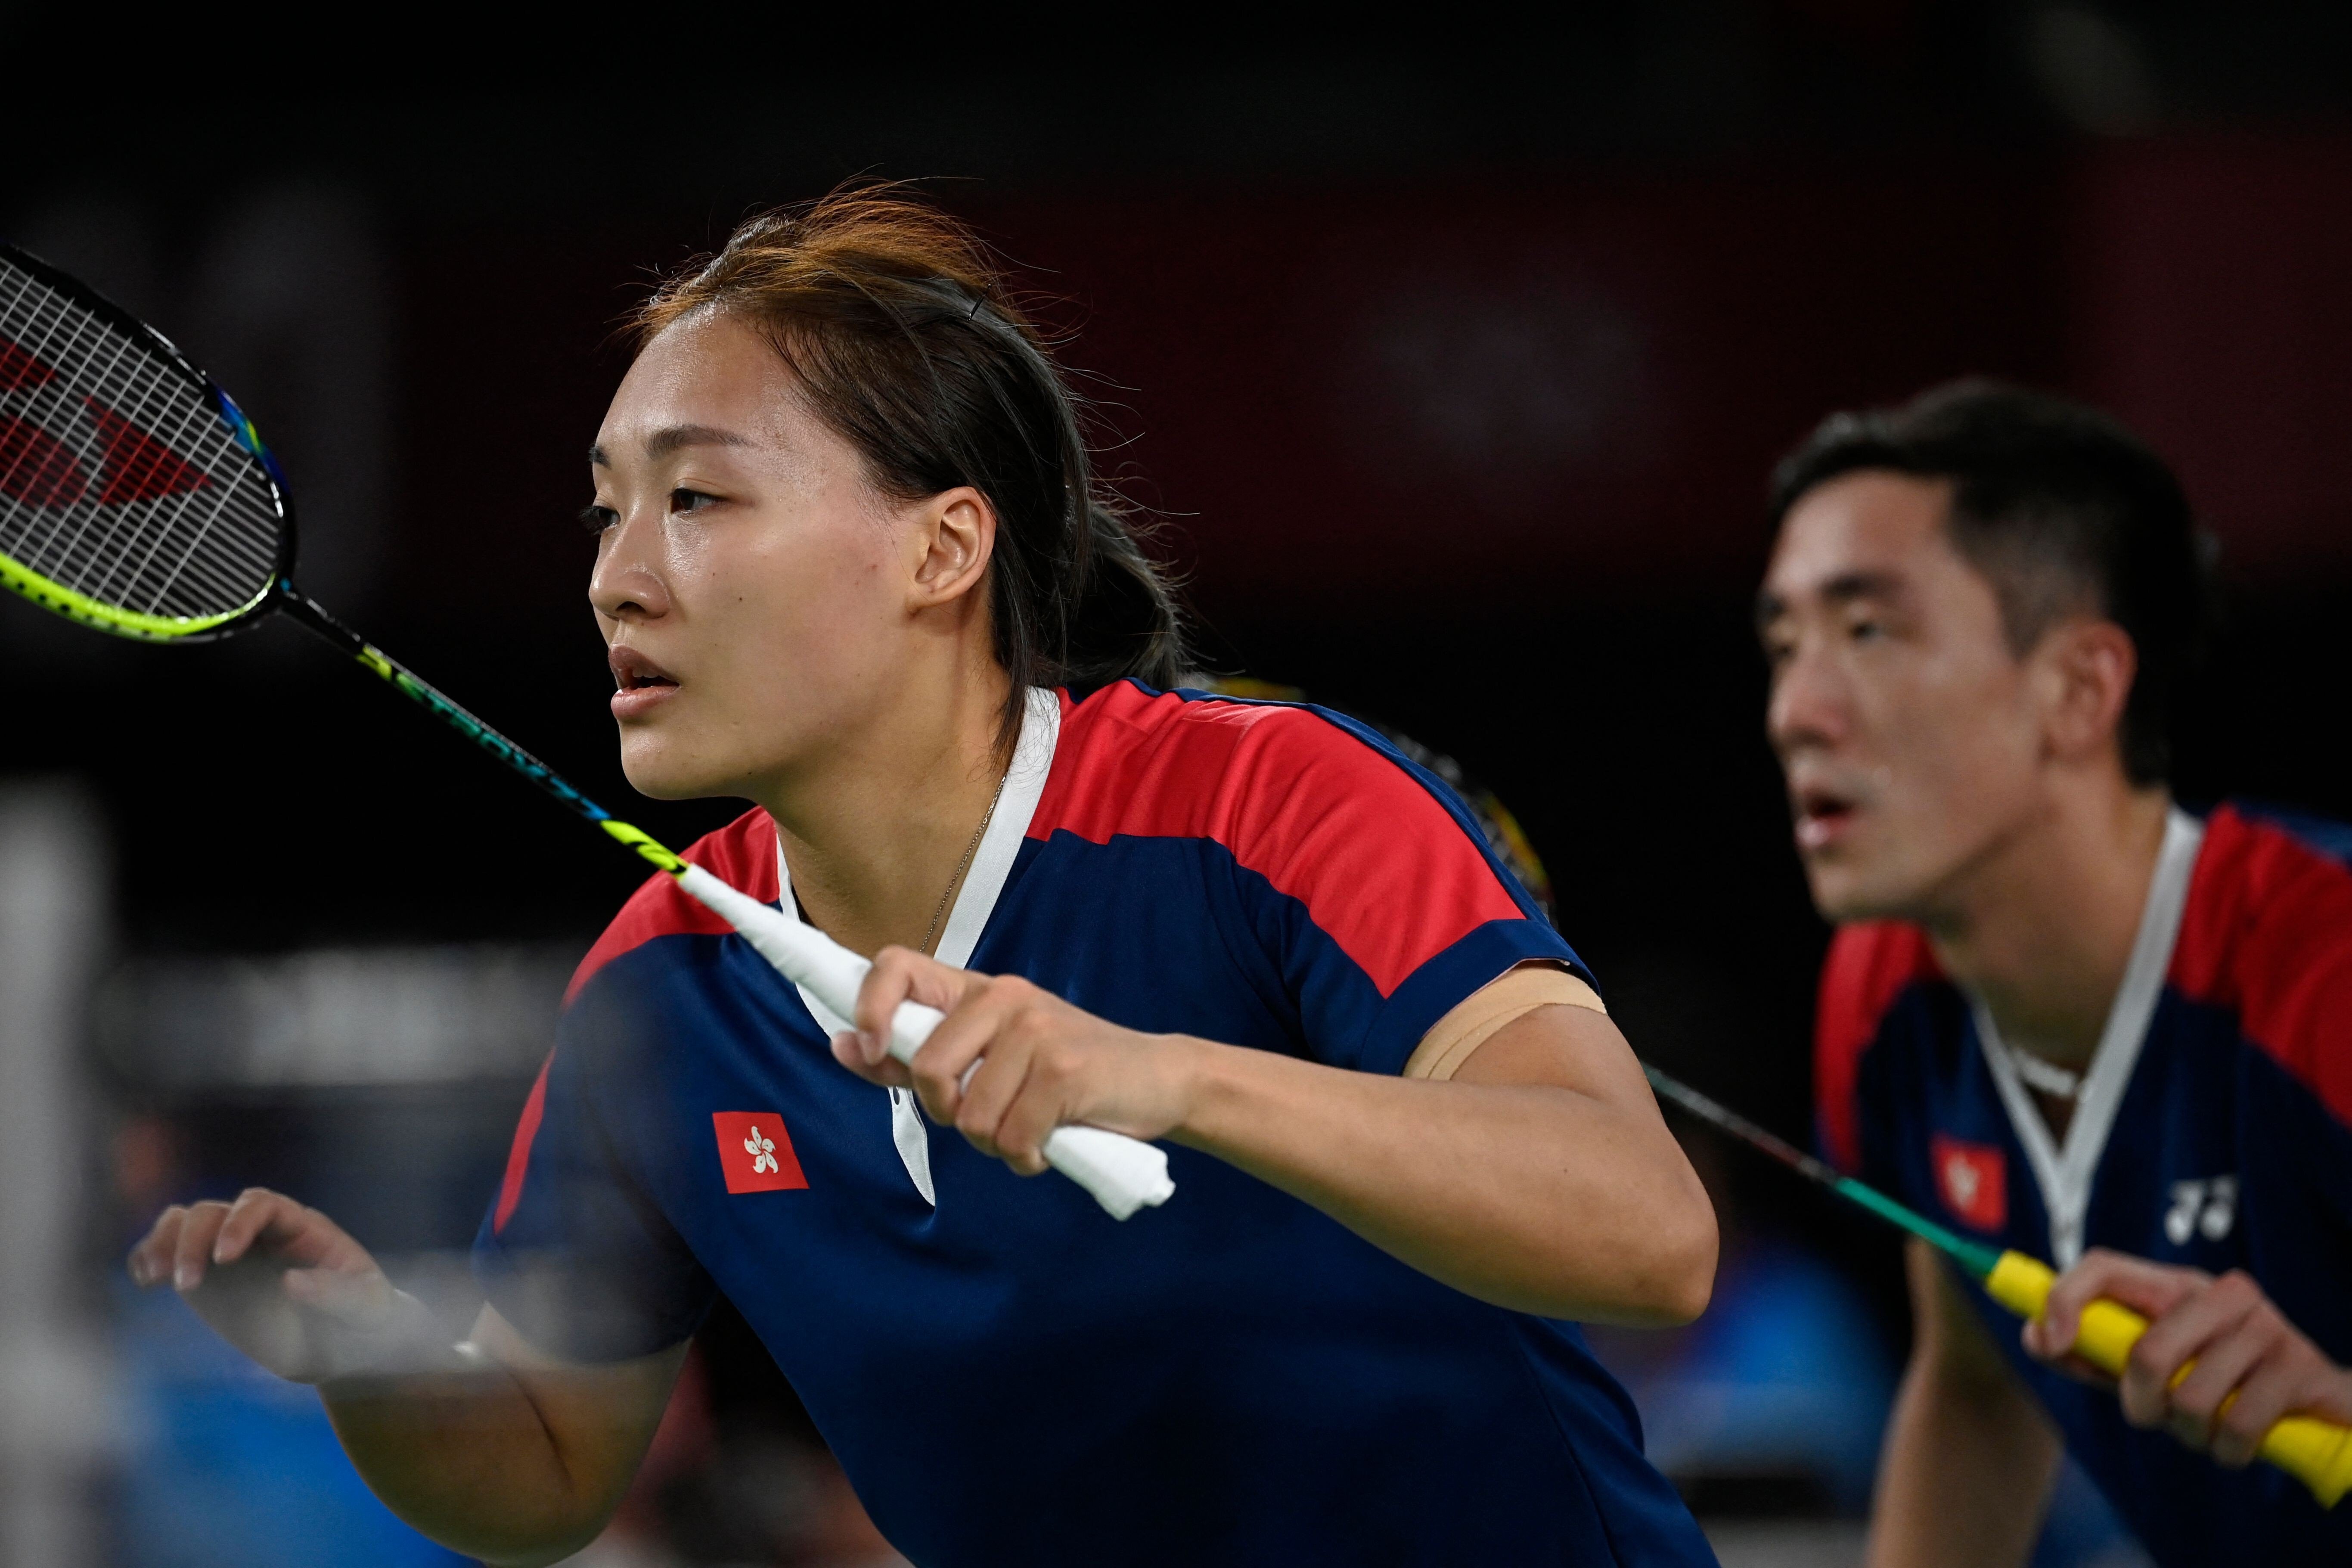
(2060, 509)
(898, 323)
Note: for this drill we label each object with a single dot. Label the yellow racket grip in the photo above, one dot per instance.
(2317, 1453)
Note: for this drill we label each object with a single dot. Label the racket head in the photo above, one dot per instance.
(135, 496)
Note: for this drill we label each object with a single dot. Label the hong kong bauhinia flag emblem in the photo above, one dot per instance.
(755, 1152)
(1973, 1181)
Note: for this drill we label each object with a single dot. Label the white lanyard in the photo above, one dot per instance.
(991, 863)
(2064, 1175)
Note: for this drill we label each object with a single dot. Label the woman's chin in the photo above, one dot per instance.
(659, 777)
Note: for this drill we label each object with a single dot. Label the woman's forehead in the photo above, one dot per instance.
(706, 379)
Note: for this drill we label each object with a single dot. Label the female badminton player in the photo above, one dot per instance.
(852, 565)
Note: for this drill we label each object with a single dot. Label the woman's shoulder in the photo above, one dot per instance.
(1131, 759)
(742, 854)
(1315, 801)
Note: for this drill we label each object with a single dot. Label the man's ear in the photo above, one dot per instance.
(2090, 665)
(956, 536)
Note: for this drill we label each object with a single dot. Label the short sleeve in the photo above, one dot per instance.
(1368, 884)
(574, 1252)
(2268, 933)
(1867, 968)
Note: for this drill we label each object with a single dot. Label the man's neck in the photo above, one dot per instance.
(2041, 927)
(877, 834)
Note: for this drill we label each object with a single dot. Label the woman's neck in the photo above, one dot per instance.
(878, 836)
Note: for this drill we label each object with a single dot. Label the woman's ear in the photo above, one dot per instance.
(2091, 664)
(956, 533)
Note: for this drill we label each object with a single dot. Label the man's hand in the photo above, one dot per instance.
(2251, 1367)
(1012, 1062)
(285, 1285)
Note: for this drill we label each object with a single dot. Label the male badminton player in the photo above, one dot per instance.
(851, 564)
(2060, 1012)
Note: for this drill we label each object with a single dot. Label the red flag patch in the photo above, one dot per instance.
(1973, 1181)
(756, 1152)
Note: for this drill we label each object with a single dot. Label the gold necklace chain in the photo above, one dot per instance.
(957, 876)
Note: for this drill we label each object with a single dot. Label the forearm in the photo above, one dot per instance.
(1962, 1482)
(1533, 1196)
(465, 1456)
(1970, 1458)
(498, 1452)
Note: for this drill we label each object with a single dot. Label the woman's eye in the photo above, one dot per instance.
(597, 519)
(686, 501)
(1865, 631)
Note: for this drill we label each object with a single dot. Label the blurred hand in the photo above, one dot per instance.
(2252, 1366)
(285, 1285)
(1011, 1062)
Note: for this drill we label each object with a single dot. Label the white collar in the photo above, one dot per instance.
(2064, 1175)
(999, 843)
(991, 863)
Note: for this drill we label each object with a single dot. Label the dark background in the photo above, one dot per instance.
(1453, 361)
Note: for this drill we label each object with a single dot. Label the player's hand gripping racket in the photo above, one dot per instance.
(136, 497)
(2317, 1453)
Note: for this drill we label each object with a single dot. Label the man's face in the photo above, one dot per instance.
(1910, 735)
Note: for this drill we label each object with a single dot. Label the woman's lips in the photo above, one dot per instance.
(640, 685)
(636, 702)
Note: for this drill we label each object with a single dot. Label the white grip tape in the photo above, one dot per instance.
(1123, 1173)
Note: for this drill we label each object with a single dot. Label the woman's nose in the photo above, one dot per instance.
(627, 583)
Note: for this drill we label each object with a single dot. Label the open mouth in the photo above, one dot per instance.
(639, 685)
(1823, 815)
(633, 671)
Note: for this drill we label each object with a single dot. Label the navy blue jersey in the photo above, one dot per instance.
(2213, 1128)
(1008, 1375)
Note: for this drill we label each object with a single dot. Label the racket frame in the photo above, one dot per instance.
(1122, 1173)
(80, 608)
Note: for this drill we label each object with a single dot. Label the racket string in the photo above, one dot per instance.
(118, 584)
(76, 327)
(33, 353)
(107, 403)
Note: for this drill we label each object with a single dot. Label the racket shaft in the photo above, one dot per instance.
(2317, 1453)
(417, 690)
(1123, 1173)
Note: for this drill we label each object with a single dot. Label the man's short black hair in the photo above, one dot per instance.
(2062, 509)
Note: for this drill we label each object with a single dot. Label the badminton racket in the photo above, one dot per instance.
(136, 497)
(2317, 1453)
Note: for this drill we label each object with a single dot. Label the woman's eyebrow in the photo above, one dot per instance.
(672, 437)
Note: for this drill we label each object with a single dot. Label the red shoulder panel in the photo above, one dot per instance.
(2268, 935)
(1382, 866)
(1867, 967)
(743, 853)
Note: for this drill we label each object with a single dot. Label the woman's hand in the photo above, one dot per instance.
(285, 1285)
(1011, 1062)
(2252, 1366)
(1541, 1178)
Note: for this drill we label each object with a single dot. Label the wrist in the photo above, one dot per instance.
(1194, 1079)
(401, 1340)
